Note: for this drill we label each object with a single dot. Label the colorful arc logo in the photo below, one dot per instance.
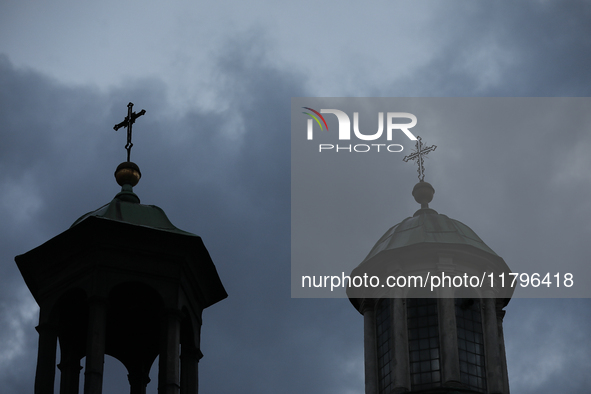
(316, 118)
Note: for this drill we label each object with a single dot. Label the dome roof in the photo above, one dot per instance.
(125, 207)
(427, 226)
(426, 244)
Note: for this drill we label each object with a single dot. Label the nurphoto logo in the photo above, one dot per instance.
(344, 132)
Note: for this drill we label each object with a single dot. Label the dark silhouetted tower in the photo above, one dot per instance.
(125, 282)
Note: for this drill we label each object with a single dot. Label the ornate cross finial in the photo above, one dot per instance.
(418, 156)
(127, 122)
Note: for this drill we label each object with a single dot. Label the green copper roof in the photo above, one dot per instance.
(126, 207)
(428, 226)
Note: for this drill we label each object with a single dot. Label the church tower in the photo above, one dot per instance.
(121, 281)
(449, 340)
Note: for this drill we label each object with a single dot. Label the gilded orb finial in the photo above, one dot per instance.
(128, 173)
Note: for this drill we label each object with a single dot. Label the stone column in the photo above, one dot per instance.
(70, 372)
(401, 372)
(168, 374)
(45, 374)
(95, 346)
(494, 376)
(138, 380)
(190, 357)
(369, 345)
(449, 356)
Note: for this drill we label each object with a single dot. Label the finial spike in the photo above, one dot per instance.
(128, 173)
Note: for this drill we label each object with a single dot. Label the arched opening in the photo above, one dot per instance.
(133, 330)
(115, 376)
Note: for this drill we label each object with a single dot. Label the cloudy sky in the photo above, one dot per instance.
(216, 81)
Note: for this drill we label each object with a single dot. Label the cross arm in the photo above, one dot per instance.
(134, 116)
(126, 122)
(120, 125)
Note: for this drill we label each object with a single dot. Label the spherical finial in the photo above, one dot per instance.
(128, 173)
(423, 193)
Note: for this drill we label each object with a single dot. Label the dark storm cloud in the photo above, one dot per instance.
(548, 346)
(529, 49)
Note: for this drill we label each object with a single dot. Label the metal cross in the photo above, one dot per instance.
(127, 122)
(418, 156)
